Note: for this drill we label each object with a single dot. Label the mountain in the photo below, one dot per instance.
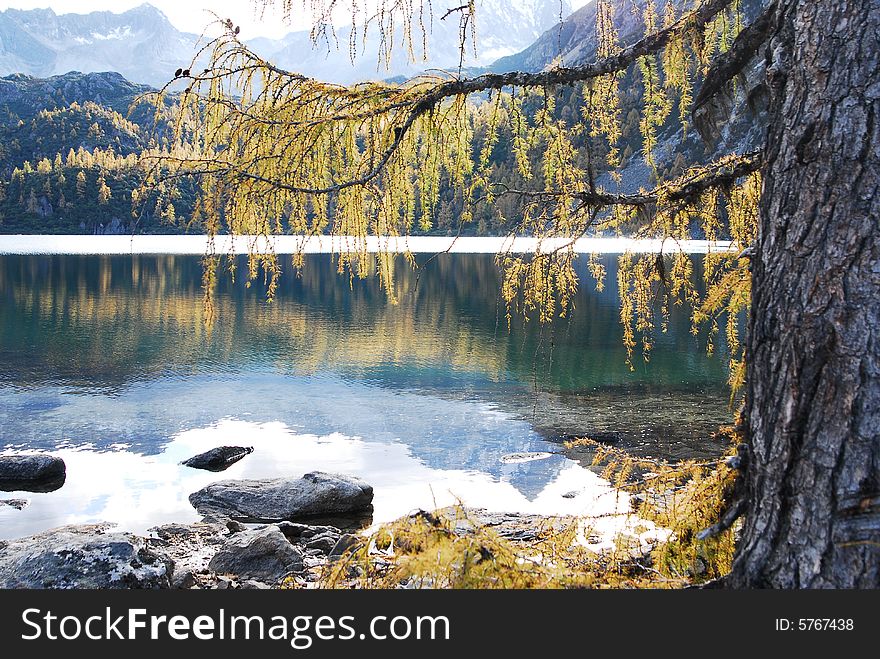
(573, 41)
(145, 47)
(503, 27)
(26, 96)
(141, 43)
(69, 156)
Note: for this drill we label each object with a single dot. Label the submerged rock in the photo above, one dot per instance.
(82, 557)
(218, 459)
(31, 473)
(279, 499)
(517, 458)
(262, 554)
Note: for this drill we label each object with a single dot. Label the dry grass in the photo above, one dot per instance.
(452, 549)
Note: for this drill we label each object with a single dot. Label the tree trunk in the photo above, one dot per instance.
(813, 395)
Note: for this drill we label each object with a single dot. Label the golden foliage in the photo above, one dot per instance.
(426, 551)
(273, 151)
(452, 549)
(684, 498)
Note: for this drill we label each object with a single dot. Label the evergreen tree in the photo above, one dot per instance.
(33, 206)
(81, 184)
(104, 193)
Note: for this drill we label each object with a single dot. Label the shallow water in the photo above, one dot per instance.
(107, 361)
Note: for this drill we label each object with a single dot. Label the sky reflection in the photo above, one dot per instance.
(139, 491)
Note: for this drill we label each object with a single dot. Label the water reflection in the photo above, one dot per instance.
(108, 361)
(107, 321)
(139, 492)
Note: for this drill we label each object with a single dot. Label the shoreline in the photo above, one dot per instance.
(225, 554)
(292, 532)
(199, 245)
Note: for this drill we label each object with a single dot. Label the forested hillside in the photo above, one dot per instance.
(71, 145)
(70, 148)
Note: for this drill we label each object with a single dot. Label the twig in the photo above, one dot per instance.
(733, 513)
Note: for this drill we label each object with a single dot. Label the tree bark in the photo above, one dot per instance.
(813, 394)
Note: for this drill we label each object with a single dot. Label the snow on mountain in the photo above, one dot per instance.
(141, 43)
(145, 47)
(503, 27)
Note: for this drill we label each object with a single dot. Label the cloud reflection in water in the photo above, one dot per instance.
(139, 491)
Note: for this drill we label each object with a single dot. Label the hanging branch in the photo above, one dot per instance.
(730, 63)
(417, 102)
(718, 175)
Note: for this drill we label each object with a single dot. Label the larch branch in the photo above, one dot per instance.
(730, 63)
(424, 104)
(720, 175)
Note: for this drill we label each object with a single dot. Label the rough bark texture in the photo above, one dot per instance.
(813, 396)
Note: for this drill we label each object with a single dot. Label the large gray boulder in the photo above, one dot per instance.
(33, 473)
(263, 555)
(82, 557)
(279, 499)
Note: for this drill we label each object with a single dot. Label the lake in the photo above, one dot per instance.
(106, 361)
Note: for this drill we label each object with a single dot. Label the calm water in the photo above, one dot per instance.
(107, 361)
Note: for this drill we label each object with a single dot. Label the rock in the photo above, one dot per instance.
(251, 584)
(344, 544)
(279, 499)
(18, 504)
(114, 227)
(293, 531)
(190, 546)
(184, 580)
(350, 522)
(235, 527)
(570, 495)
(262, 554)
(83, 557)
(323, 543)
(517, 458)
(218, 459)
(521, 527)
(31, 473)
(223, 583)
(312, 531)
(304, 532)
(44, 207)
(518, 535)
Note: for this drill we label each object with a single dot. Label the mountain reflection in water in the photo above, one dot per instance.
(108, 362)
